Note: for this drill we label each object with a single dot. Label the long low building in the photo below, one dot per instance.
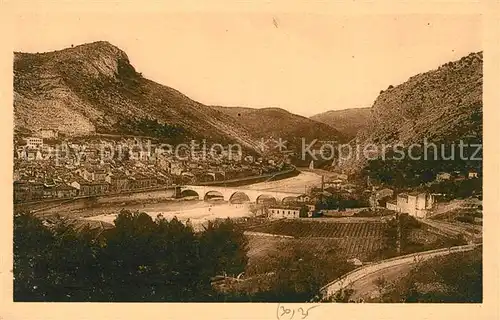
(284, 212)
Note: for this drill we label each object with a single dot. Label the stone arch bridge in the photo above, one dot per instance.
(228, 192)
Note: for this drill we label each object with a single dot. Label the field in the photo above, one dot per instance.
(341, 229)
(362, 240)
(332, 243)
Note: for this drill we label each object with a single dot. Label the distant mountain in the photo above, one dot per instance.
(278, 123)
(443, 106)
(94, 88)
(347, 121)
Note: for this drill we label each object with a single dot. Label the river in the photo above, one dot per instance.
(199, 212)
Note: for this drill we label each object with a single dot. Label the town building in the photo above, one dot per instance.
(33, 154)
(283, 212)
(472, 174)
(28, 191)
(83, 187)
(34, 143)
(415, 204)
(47, 133)
(336, 184)
(443, 176)
(64, 191)
(392, 205)
(304, 198)
(99, 175)
(99, 187)
(118, 182)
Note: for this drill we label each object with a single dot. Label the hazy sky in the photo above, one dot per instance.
(305, 63)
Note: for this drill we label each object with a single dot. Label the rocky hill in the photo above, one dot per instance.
(93, 88)
(442, 106)
(347, 121)
(278, 123)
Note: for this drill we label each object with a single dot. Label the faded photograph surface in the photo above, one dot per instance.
(248, 158)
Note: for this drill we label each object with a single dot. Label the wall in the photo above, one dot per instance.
(253, 179)
(391, 206)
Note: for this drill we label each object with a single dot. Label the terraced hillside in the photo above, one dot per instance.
(362, 240)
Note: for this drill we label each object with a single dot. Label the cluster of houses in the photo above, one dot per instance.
(456, 175)
(85, 182)
(417, 204)
(47, 168)
(420, 204)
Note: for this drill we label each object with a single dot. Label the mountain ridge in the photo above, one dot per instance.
(93, 88)
(280, 123)
(443, 106)
(347, 121)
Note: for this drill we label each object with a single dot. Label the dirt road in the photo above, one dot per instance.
(364, 276)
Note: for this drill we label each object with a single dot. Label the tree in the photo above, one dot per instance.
(53, 264)
(304, 211)
(224, 247)
(299, 274)
(399, 229)
(140, 259)
(31, 244)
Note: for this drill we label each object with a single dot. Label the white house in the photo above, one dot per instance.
(281, 212)
(442, 176)
(34, 143)
(414, 204)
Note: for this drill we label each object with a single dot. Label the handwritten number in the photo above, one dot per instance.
(303, 312)
(285, 311)
(304, 315)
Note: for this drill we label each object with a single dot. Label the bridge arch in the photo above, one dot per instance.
(229, 193)
(239, 197)
(188, 193)
(213, 195)
(266, 199)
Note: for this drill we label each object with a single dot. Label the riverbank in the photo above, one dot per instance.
(196, 212)
(170, 190)
(164, 202)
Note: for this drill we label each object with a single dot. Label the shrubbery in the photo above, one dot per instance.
(454, 278)
(141, 259)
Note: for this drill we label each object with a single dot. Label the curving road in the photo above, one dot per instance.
(363, 277)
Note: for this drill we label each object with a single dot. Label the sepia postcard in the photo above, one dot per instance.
(250, 160)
